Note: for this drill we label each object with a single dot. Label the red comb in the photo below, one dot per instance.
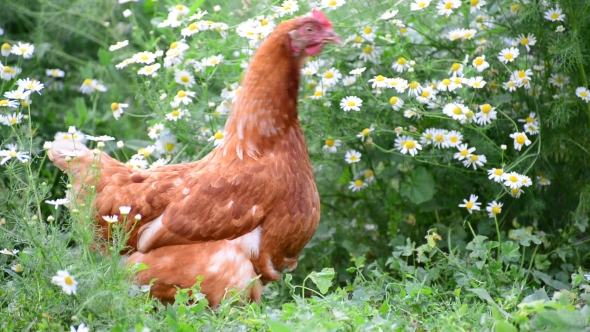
(318, 15)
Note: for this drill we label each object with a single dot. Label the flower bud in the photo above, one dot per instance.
(120, 144)
(50, 219)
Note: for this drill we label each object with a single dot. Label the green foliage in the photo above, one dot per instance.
(394, 254)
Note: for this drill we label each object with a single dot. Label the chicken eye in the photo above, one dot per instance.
(309, 30)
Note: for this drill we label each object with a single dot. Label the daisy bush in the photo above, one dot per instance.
(458, 125)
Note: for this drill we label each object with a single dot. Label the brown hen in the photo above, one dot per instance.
(248, 208)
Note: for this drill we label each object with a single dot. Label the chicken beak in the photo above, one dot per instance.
(333, 38)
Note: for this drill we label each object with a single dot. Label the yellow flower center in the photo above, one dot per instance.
(515, 191)
(464, 153)
(479, 61)
(318, 93)
(69, 281)
(369, 173)
(584, 94)
(529, 120)
(469, 114)
(7, 69)
(454, 139)
(513, 178)
(192, 27)
(144, 57)
(333, 3)
(495, 209)
(422, 4)
(175, 113)
(521, 74)
(555, 16)
(486, 108)
(173, 45)
(414, 85)
(351, 103)
(403, 31)
(358, 183)
(368, 30)
(426, 94)
(525, 41)
(114, 106)
(13, 121)
(6, 47)
(520, 139)
(184, 79)
(469, 205)
(515, 8)
(393, 100)
(498, 172)
(449, 5)
(509, 56)
(329, 75)
(368, 49)
(218, 135)
(264, 22)
(410, 145)
(439, 138)
(330, 142)
(457, 111)
(474, 158)
(353, 158)
(474, 3)
(401, 61)
(379, 78)
(169, 146)
(4, 102)
(428, 136)
(366, 131)
(455, 66)
(181, 94)
(446, 81)
(358, 40)
(87, 81)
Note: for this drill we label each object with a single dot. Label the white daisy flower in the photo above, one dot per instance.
(118, 45)
(12, 119)
(406, 144)
(55, 73)
(111, 219)
(357, 185)
(396, 103)
(117, 109)
(520, 139)
(471, 204)
(358, 71)
(378, 81)
(217, 138)
(486, 114)
(554, 14)
(368, 34)
(331, 76)
(476, 82)
(67, 282)
(508, 54)
(494, 208)
(480, 63)
(475, 161)
(30, 84)
(13, 152)
(365, 132)
(351, 103)
(331, 4)
(400, 65)
(583, 93)
(176, 114)
(24, 49)
(352, 156)
(512, 180)
(150, 70)
(419, 4)
(464, 152)
(527, 40)
(331, 145)
(496, 174)
(476, 5)
(184, 78)
(184, 97)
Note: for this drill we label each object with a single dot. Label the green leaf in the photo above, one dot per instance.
(105, 57)
(510, 251)
(484, 295)
(503, 326)
(418, 187)
(278, 327)
(323, 279)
